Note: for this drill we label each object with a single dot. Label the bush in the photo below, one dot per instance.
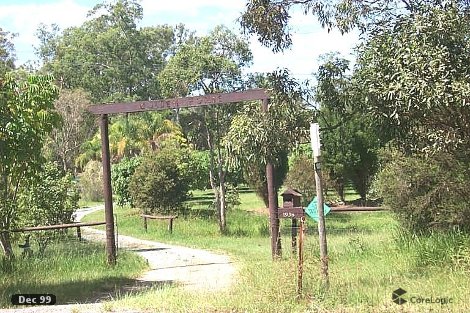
(301, 176)
(160, 183)
(91, 182)
(199, 166)
(121, 174)
(50, 200)
(426, 193)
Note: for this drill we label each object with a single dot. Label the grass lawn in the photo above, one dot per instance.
(76, 272)
(366, 264)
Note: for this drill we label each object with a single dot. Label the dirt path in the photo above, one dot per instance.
(194, 269)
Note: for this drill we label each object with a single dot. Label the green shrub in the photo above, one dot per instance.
(199, 166)
(301, 176)
(160, 184)
(50, 199)
(426, 193)
(91, 182)
(121, 174)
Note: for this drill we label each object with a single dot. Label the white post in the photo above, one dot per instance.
(315, 139)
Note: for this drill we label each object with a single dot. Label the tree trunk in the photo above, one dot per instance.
(5, 242)
(222, 201)
(214, 186)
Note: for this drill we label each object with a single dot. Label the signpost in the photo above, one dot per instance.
(291, 209)
(312, 209)
(315, 140)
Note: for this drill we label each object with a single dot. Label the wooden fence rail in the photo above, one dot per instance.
(53, 227)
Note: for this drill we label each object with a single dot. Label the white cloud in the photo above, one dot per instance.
(309, 39)
(24, 20)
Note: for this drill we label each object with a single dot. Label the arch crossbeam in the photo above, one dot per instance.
(175, 103)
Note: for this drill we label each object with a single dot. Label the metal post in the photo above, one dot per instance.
(321, 221)
(273, 204)
(108, 196)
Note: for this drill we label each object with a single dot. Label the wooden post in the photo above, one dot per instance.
(301, 257)
(79, 234)
(294, 232)
(108, 196)
(170, 225)
(145, 224)
(273, 204)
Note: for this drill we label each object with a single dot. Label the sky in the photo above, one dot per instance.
(309, 39)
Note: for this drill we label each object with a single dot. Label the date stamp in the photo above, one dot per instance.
(33, 299)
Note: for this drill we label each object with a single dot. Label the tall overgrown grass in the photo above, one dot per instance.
(369, 258)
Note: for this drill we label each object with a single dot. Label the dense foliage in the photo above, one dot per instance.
(121, 174)
(26, 117)
(416, 77)
(426, 193)
(90, 181)
(301, 177)
(160, 183)
(109, 55)
(50, 199)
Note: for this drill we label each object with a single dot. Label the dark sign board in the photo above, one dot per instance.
(294, 212)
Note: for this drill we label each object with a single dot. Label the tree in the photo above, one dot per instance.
(349, 139)
(109, 56)
(256, 138)
(269, 19)
(7, 52)
(416, 79)
(27, 116)
(76, 127)
(210, 64)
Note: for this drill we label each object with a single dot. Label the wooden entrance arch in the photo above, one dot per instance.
(154, 105)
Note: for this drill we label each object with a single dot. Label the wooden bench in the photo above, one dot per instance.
(170, 219)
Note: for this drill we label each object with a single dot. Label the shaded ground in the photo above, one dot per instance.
(194, 269)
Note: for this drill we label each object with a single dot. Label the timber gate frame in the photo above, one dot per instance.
(154, 105)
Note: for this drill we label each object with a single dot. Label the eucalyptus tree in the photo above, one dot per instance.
(210, 64)
(109, 55)
(416, 79)
(256, 137)
(7, 52)
(269, 19)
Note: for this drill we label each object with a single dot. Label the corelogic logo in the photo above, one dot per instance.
(397, 296)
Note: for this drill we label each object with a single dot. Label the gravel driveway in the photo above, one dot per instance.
(194, 269)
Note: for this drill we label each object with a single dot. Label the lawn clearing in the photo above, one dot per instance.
(366, 265)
